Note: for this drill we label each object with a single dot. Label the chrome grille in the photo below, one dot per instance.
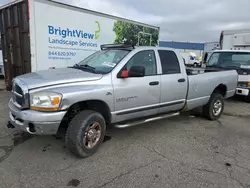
(20, 94)
(242, 84)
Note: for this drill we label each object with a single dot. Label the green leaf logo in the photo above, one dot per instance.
(98, 30)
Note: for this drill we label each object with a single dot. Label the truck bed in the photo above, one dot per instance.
(201, 70)
(202, 85)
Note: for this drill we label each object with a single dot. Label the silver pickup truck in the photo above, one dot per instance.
(119, 85)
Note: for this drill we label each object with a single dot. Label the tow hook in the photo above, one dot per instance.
(10, 126)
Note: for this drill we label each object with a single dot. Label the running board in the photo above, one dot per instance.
(134, 123)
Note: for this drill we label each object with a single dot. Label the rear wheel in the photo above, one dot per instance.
(85, 133)
(214, 108)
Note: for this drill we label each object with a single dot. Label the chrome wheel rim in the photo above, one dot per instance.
(217, 107)
(92, 135)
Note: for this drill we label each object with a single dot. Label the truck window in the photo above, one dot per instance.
(213, 59)
(169, 62)
(230, 59)
(146, 59)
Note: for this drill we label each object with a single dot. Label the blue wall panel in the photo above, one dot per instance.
(182, 45)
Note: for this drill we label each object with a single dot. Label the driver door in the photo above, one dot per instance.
(137, 97)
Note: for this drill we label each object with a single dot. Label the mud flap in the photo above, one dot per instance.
(10, 126)
(185, 108)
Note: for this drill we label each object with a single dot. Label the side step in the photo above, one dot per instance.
(134, 123)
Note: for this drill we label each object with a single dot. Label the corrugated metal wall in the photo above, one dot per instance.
(197, 48)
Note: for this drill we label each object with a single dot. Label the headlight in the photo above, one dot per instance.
(45, 101)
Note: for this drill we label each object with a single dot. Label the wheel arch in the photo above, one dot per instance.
(95, 105)
(220, 89)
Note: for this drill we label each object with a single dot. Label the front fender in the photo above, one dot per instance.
(101, 90)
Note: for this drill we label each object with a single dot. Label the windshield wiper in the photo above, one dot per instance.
(215, 66)
(223, 67)
(85, 67)
(233, 67)
(76, 65)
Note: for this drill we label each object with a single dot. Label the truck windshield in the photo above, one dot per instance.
(102, 62)
(230, 59)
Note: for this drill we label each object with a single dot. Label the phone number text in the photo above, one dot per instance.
(63, 54)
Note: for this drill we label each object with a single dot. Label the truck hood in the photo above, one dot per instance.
(57, 76)
(243, 71)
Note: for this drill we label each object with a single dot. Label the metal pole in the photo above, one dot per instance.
(141, 32)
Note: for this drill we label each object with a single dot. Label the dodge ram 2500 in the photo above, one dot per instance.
(119, 85)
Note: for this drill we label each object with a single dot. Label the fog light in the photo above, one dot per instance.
(32, 128)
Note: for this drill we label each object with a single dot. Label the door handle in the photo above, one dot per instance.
(182, 80)
(154, 83)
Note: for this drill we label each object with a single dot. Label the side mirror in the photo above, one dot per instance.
(123, 74)
(137, 71)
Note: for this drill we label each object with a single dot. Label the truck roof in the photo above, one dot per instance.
(232, 51)
(155, 47)
(86, 11)
(235, 31)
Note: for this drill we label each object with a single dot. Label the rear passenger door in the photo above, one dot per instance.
(173, 82)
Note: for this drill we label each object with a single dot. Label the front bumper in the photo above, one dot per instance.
(242, 91)
(34, 122)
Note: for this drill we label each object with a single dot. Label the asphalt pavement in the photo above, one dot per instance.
(184, 151)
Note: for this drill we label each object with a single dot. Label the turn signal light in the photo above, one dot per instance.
(248, 84)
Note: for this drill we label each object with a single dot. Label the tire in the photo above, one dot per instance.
(209, 110)
(195, 64)
(247, 98)
(76, 136)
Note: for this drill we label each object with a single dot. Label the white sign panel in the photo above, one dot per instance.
(65, 35)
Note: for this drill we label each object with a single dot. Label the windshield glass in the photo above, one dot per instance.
(102, 62)
(230, 59)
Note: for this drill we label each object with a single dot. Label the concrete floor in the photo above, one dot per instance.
(183, 151)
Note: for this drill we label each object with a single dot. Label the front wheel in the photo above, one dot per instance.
(85, 133)
(215, 107)
(247, 98)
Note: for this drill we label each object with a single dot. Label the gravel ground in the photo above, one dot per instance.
(183, 151)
